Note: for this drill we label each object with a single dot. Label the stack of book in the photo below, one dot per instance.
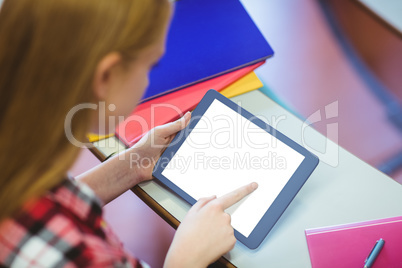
(211, 45)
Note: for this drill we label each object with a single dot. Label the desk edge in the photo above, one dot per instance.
(392, 28)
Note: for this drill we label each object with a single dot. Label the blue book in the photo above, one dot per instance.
(207, 38)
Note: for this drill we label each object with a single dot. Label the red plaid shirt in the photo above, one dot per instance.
(64, 228)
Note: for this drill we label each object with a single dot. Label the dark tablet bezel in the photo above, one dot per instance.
(284, 198)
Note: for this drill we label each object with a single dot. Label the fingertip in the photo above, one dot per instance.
(254, 186)
(187, 116)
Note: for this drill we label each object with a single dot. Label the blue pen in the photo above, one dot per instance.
(374, 253)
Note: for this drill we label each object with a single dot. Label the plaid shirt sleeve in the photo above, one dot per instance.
(64, 228)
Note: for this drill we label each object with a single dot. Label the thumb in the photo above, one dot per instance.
(174, 127)
(202, 202)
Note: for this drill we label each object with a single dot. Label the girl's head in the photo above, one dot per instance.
(55, 55)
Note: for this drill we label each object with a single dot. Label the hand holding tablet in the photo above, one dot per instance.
(206, 233)
(225, 147)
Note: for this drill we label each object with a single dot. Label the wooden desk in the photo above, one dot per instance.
(389, 12)
(349, 192)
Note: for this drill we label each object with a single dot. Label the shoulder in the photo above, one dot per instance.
(58, 243)
(39, 243)
(51, 232)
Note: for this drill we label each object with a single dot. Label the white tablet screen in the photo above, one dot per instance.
(226, 151)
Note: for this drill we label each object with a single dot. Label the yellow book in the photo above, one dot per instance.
(95, 137)
(245, 84)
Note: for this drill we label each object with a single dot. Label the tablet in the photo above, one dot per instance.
(225, 147)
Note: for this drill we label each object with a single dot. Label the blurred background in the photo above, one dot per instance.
(339, 50)
(325, 51)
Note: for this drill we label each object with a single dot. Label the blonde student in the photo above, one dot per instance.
(56, 55)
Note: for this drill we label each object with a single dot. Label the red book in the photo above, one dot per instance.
(349, 245)
(172, 106)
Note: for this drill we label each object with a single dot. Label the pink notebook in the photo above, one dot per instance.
(171, 106)
(349, 245)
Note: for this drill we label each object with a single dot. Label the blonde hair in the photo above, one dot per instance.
(49, 50)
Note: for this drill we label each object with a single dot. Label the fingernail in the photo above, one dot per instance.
(254, 185)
